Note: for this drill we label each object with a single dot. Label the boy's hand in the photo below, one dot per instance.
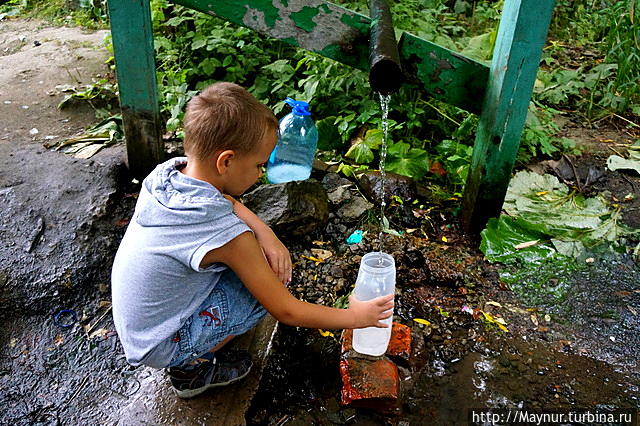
(371, 312)
(277, 255)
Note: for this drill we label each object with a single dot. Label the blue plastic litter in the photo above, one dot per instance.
(355, 238)
(61, 320)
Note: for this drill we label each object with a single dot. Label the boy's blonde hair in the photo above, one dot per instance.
(225, 116)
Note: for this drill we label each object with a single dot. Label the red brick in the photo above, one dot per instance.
(347, 341)
(370, 384)
(400, 342)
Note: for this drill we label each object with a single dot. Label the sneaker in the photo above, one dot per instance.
(223, 368)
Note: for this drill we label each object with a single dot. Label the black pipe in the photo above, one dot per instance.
(385, 73)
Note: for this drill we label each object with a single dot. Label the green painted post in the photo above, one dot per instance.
(521, 37)
(136, 72)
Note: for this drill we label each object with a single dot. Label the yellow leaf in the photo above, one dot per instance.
(321, 254)
(445, 239)
(491, 302)
(315, 259)
(542, 193)
(502, 327)
(487, 316)
(319, 243)
(325, 333)
(422, 321)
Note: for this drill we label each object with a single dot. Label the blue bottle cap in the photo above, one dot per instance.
(299, 107)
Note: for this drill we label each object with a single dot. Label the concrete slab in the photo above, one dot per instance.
(155, 403)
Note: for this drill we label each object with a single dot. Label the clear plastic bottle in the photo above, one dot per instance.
(292, 158)
(376, 277)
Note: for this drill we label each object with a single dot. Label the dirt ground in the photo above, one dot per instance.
(62, 219)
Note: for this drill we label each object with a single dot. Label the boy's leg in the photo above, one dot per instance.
(228, 311)
(221, 344)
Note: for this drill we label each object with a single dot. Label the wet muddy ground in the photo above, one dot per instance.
(551, 358)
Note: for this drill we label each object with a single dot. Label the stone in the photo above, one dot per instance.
(394, 184)
(331, 181)
(400, 343)
(370, 384)
(295, 208)
(354, 208)
(339, 195)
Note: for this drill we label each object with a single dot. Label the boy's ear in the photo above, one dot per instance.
(224, 159)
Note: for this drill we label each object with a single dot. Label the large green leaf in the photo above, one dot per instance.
(502, 236)
(360, 153)
(406, 161)
(543, 200)
(328, 134)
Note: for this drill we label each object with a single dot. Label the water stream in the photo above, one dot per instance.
(384, 106)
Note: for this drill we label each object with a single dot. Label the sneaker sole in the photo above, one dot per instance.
(190, 393)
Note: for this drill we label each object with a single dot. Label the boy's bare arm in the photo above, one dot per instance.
(276, 253)
(244, 256)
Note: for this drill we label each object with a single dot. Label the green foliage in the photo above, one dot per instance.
(539, 135)
(89, 13)
(428, 140)
(606, 82)
(407, 161)
(101, 95)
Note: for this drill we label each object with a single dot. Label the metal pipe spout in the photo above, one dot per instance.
(385, 72)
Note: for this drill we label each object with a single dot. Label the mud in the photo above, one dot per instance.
(460, 362)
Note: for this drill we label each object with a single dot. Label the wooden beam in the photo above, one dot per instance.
(521, 37)
(343, 35)
(136, 73)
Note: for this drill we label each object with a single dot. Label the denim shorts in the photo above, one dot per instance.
(228, 310)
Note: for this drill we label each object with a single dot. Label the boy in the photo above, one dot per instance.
(196, 267)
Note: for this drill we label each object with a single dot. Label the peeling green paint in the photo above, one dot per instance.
(359, 22)
(304, 18)
(291, 40)
(271, 13)
(446, 75)
(325, 8)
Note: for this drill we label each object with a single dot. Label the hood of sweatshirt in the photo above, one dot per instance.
(169, 197)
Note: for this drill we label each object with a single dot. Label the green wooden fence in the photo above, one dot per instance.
(499, 93)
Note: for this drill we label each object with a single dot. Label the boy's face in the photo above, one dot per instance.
(247, 168)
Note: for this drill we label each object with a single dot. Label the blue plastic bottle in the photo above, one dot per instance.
(292, 157)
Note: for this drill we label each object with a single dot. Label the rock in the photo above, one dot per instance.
(335, 271)
(338, 188)
(339, 195)
(332, 181)
(295, 208)
(394, 184)
(354, 208)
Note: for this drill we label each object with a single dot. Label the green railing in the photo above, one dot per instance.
(499, 93)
